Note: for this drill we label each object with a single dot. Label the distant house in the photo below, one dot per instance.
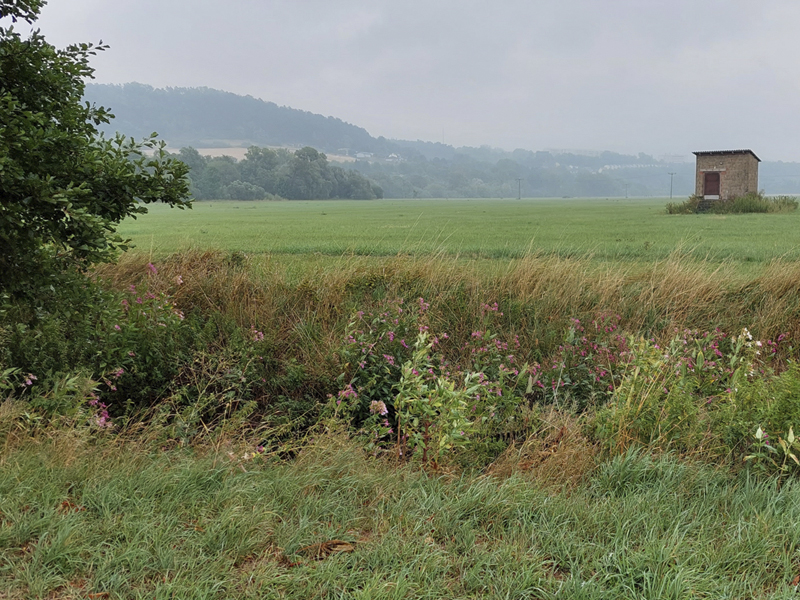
(363, 154)
(726, 174)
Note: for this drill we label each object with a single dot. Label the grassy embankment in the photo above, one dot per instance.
(155, 513)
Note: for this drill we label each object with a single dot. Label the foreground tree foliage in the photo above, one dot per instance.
(64, 187)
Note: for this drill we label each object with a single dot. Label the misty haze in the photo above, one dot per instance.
(305, 299)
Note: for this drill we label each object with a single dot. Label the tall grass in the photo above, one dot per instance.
(154, 511)
(119, 518)
(307, 308)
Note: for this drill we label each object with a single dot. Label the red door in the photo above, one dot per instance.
(711, 184)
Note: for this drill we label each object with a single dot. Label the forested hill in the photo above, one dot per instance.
(208, 118)
(204, 117)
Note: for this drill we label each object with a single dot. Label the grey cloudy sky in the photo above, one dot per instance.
(625, 75)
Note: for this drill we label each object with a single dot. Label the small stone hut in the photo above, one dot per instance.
(726, 174)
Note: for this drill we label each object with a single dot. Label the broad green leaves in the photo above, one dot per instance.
(63, 187)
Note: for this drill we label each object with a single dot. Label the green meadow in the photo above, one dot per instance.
(607, 230)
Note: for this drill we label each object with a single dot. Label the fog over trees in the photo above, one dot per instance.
(265, 173)
(296, 167)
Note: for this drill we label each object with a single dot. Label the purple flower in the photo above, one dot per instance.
(152, 268)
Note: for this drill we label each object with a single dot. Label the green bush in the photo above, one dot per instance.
(688, 207)
(754, 203)
(749, 203)
(705, 395)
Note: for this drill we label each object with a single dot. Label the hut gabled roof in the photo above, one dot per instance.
(726, 152)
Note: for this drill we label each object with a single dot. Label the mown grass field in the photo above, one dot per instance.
(607, 230)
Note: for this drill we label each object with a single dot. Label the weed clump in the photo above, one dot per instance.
(749, 203)
(688, 207)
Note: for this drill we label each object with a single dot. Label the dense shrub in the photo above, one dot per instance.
(754, 203)
(749, 203)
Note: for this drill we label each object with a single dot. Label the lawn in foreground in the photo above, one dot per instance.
(609, 230)
(106, 519)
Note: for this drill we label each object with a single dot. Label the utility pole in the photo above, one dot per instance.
(626, 190)
(671, 175)
(519, 186)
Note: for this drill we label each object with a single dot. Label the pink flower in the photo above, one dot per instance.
(117, 327)
(179, 280)
(377, 407)
(347, 392)
(152, 268)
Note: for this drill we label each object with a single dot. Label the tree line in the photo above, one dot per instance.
(266, 173)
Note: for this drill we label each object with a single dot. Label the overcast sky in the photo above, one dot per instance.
(631, 76)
